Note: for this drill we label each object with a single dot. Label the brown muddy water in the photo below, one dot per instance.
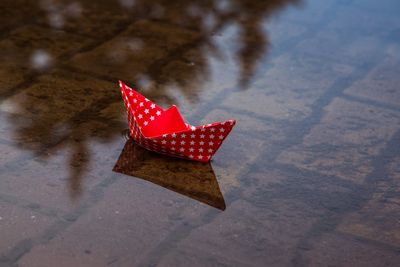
(310, 176)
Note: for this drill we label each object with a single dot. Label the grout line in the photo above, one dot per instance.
(374, 243)
(370, 102)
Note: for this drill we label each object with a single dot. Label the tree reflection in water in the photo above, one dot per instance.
(55, 121)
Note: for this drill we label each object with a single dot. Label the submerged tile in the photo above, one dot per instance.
(19, 227)
(381, 83)
(335, 250)
(30, 49)
(245, 236)
(378, 219)
(131, 225)
(130, 54)
(346, 140)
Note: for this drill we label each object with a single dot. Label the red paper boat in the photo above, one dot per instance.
(165, 132)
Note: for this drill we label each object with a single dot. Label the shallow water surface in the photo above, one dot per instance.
(309, 176)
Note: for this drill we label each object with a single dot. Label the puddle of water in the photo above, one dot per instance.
(313, 85)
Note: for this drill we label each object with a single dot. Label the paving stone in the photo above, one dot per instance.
(274, 95)
(381, 83)
(115, 113)
(197, 81)
(393, 187)
(334, 250)
(9, 153)
(61, 133)
(248, 140)
(247, 125)
(282, 30)
(371, 6)
(14, 13)
(130, 55)
(369, 16)
(313, 66)
(33, 48)
(44, 110)
(244, 235)
(18, 225)
(378, 219)
(11, 75)
(176, 70)
(344, 143)
(265, 184)
(348, 38)
(130, 225)
(314, 14)
(98, 19)
(234, 156)
(64, 174)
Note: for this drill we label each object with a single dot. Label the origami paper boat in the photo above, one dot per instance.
(165, 132)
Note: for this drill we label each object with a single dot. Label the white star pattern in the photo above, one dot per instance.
(197, 142)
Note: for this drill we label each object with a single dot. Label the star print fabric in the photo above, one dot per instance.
(165, 131)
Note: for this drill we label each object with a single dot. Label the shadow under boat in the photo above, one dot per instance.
(193, 179)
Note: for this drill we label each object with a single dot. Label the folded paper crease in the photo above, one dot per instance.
(165, 131)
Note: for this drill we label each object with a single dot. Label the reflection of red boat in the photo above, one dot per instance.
(165, 132)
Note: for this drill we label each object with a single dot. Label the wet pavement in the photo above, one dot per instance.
(310, 175)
